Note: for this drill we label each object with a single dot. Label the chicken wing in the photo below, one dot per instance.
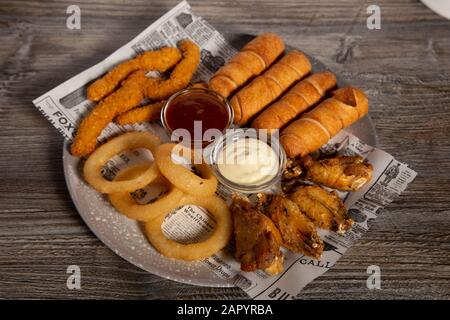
(324, 208)
(342, 173)
(292, 174)
(257, 239)
(297, 230)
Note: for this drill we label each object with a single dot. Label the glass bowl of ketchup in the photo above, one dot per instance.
(196, 116)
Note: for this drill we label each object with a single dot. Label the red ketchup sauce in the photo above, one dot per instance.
(187, 108)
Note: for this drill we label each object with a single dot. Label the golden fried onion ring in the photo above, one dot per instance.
(125, 203)
(181, 177)
(127, 141)
(194, 251)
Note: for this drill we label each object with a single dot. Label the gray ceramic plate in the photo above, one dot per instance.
(124, 236)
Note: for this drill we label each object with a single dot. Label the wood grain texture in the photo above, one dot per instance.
(404, 68)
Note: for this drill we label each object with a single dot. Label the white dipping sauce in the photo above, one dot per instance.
(247, 162)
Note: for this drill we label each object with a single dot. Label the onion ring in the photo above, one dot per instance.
(128, 141)
(181, 177)
(194, 251)
(125, 203)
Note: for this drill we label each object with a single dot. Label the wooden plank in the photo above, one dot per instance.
(404, 68)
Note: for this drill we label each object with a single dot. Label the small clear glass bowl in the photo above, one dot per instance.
(243, 133)
(195, 91)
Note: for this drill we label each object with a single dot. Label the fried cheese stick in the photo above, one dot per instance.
(302, 96)
(267, 87)
(254, 58)
(323, 122)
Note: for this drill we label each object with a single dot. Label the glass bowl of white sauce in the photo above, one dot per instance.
(248, 160)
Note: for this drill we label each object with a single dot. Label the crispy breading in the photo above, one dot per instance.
(133, 90)
(158, 60)
(254, 58)
(125, 98)
(148, 113)
(200, 85)
(157, 89)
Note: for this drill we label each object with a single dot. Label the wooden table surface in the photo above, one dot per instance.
(404, 68)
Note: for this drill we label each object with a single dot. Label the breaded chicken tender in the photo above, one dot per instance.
(158, 60)
(181, 75)
(257, 239)
(133, 90)
(148, 113)
(126, 98)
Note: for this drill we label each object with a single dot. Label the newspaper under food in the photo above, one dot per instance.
(64, 107)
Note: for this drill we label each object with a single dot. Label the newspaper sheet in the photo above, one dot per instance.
(65, 105)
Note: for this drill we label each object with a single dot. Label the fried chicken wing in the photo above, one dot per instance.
(343, 173)
(257, 238)
(324, 208)
(293, 169)
(297, 230)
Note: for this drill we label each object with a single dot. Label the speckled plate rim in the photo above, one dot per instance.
(364, 129)
(70, 162)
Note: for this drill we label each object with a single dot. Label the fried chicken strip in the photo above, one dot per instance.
(125, 98)
(157, 89)
(200, 85)
(133, 90)
(148, 113)
(343, 173)
(297, 230)
(324, 208)
(159, 60)
(257, 239)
